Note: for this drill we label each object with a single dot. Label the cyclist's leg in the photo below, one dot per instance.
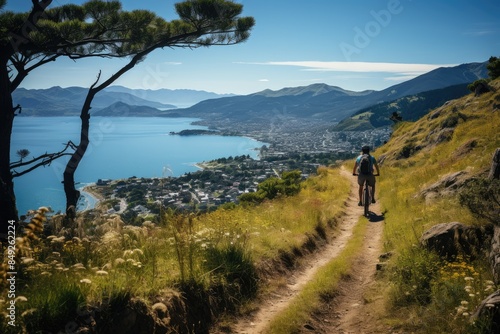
(361, 182)
(372, 185)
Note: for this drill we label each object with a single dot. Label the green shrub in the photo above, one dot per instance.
(413, 275)
(234, 267)
(53, 307)
(287, 185)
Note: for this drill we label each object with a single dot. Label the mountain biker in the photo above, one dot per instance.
(369, 177)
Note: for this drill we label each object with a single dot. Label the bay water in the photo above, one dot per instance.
(120, 147)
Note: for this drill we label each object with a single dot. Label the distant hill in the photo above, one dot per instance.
(179, 97)
(410, 108)
(57, 101)
(321, 102)
(121, 109)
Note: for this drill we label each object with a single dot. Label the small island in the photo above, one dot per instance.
(195, 132)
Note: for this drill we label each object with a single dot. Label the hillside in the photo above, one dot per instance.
(410, 108)
(426, 165)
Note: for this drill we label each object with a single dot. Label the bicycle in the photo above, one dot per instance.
(366, 198)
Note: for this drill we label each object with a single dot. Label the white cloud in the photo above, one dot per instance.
(264, 80)
(363, 67)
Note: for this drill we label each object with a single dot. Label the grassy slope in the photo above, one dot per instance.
(433, 151)
(154, 258)
(115, 262)
(420, 291)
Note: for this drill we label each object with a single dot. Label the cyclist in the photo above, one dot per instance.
(370, 177)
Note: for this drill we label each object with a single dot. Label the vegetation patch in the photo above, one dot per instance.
(426, 288)
(181, 273)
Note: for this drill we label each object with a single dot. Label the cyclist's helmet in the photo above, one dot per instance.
(365, 149)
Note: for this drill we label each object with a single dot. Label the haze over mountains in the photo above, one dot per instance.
(317, 103)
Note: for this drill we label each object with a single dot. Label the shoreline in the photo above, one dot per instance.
(88, 192)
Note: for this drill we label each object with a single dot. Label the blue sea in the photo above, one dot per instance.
(120, 147)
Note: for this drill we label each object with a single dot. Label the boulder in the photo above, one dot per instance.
(495, 165)
(447, 185)
(452, 239)
(494, 256)
(488, 313)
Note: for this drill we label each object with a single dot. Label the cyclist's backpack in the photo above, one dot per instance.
(365, 164)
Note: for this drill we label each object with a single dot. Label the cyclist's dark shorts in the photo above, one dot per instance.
(369, 178)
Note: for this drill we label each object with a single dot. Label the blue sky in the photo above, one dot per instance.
(356, 45)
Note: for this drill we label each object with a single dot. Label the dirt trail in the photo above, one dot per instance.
(348, 312)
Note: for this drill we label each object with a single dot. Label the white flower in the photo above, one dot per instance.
(101, 273)
(85, 281)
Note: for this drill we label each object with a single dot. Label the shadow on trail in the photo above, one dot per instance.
(374, 218)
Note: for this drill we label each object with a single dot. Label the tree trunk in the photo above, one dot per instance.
(8, 209)
(72, 195)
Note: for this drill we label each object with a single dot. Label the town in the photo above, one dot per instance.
(223, 181)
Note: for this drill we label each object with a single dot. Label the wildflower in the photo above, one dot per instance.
(464, 302)
(85, 281)
(21, 299)
(137, 250)
(119, 261)
(27, 260)
(28, 312)
(127, 253)
(489, 288)
(101, 273)
(59, 240)
(78, 266)
(468, 278)
(465, 314)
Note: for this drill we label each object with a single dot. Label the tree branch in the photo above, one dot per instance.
(44, 160)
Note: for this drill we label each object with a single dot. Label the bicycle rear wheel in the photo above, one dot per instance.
(366, 200)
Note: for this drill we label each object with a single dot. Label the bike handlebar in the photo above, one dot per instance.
(354, 174)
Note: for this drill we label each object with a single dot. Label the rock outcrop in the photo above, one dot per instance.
(452, 239)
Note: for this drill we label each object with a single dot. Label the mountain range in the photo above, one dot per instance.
(317, 103)
(323, 103)
(58, 101)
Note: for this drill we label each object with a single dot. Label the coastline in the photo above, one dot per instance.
(90, 196)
